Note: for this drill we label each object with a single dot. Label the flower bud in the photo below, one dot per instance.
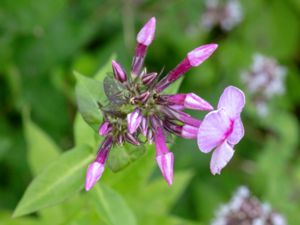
(146, 34)
(131, 139)
(200, 54)
(148, 78)
(94, 173)
(189, 132)
(165, 163)
(119, 73)
(193, 101)
(105, 128)
(194, 58)
(133, 120)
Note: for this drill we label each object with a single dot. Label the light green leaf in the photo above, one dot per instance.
(151, 218)
(173, 88)
(56, 182)
(5, 219)
(83, 133)
(136, 175)
(89, 93)
(165, 196)
(111, 206)
(122, 156)
(41, 149)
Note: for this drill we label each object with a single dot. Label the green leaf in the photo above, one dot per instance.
(5, 219)
(122, 156)
(111, 206)
(41, 149)
(136, 175)
(89, 93)
(83, 133)
(56, 182)
(173, 88)
(165, 196)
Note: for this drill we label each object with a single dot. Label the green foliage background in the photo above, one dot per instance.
(42, 136)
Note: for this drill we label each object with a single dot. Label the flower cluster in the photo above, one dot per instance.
(264, 80)
(225, 14)
(142, 111)
(248, 210)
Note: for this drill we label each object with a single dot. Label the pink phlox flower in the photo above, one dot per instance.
(222, 129)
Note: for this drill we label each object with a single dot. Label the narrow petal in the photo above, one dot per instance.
(105, 128)
(104, 150)
(142, 98)
(189, 132)
(213, 130)
(173, 75)
(150, 136)
(220, 157)
(148, 78)
(138, 60)
(233, 101)
(160, 141)
(237, 132)
(177, 99)
(132, 139)
(200, 54)
(146, 34)
(94, 173)
(193, 101)
(193, 58)
(172, 127)
(174, 114)
(177, 107)
(133, 120)
(119, 73)
(144, 126)
(165, 163)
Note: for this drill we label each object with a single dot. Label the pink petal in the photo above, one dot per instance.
(177, 107)
(237, 132)
(193, 101)
(160, 141)
(165, 163)
(94, 173)
(213, 130)
(189, 132)
(233, 101)
(146, 34)
(119, 73)
(200, 54)
(133, 120)
(220, 157)
(105, 128)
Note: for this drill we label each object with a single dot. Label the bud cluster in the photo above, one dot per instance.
(139, 111)
(247, 210)
(264, 80)
(225, 14)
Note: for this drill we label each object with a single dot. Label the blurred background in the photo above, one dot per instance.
(43, 42)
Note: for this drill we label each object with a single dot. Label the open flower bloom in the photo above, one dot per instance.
(222, 129)
(139, 111)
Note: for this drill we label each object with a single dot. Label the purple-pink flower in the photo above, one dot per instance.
(222, 129)
(139, 111)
